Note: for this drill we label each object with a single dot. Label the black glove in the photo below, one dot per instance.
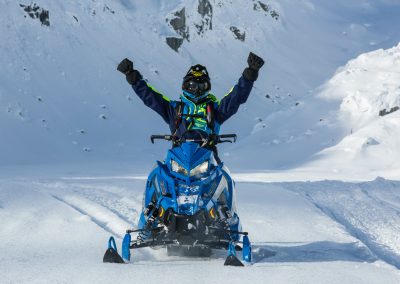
(126, 67)
(255, 63)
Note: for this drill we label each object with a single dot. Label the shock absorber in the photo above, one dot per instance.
(144, 234)
(224, 216)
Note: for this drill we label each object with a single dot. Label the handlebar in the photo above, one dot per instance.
(217, 139)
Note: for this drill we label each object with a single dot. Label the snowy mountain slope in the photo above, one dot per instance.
(368, 88)
(359, 125)
(365, 86)
(62, 100)
(56, 229)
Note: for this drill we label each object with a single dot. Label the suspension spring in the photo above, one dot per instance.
(146, 232)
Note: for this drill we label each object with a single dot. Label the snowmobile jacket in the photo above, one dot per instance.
(166, 108)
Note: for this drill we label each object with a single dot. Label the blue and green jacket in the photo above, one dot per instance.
(165, 107)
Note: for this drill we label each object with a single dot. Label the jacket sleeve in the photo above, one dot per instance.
(153, 99)
(229, 104)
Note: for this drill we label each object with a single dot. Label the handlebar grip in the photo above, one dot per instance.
(163, 137)
(223, 136)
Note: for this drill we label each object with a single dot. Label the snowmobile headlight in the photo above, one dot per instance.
(176, 167)
(200, 169)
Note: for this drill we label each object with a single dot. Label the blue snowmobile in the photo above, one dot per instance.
(189, 205)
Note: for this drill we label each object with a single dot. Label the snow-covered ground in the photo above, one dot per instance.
(55, 230)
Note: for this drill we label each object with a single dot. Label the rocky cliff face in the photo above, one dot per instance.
(36, 12)
(189, 22)
(205, 10)
(178, 24)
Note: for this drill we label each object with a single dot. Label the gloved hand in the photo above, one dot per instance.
(255, 63)
(126, 67)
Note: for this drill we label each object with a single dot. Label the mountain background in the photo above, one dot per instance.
(63, 102)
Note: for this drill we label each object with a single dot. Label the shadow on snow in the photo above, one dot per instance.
(313, 252)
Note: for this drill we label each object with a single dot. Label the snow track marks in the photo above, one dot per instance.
(113, 208)
(368, 211)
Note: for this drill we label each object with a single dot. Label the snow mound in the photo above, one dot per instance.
(367, 86)
(368, 89)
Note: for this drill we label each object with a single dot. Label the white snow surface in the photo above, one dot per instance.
(317, 168)
(55, 230)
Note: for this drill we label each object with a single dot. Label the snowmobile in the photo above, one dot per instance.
(189, 205)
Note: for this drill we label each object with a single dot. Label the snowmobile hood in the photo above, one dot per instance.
(188, 155)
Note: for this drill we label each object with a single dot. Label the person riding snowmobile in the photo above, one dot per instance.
(198, 114)
(189, 202)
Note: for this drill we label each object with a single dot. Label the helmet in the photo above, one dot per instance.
(196, 83)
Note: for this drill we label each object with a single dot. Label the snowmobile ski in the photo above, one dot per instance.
(232, 260)
(111, 255)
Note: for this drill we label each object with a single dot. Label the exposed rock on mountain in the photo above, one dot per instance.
(35, 12)
(178, 23)
(206, 11)
(260, 6)
(174, 42)
(238, 34)
(200, 18)
(384, 112)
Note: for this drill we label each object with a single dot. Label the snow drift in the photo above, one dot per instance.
(368, 91)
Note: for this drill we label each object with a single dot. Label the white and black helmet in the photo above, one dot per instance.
(196, 83)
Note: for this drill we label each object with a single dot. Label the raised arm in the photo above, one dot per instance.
(238, 95)
(150, 97)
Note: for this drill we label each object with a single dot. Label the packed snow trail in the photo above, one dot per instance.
(55, 230)
(369, 211)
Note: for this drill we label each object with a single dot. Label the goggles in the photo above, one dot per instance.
(195, 87)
